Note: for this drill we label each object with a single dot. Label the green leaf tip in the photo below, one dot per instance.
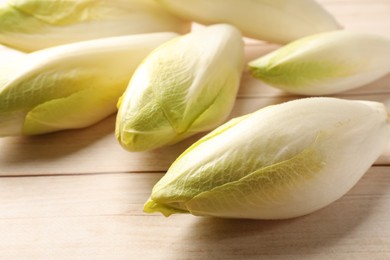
(152, 207)
(325, 63)
(53, 23)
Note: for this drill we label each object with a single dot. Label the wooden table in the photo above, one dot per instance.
(78, 195)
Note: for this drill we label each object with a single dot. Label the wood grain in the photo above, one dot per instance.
(100, 217)
(95, 149)
(78, 195)
(361, 15)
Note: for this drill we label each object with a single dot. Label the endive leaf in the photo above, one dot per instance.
(8, 55)
(187, 85)
(283, 161)
(54, 115)
(56, 12)
(279, 21)
(31, 25)
(326, 63)
(70, 86)
(270, 183)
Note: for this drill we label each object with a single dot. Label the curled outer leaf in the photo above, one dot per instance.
(326, 63)
(282, 161)
(70, 86)
(31, 25)
(279, 21)
(186, 86)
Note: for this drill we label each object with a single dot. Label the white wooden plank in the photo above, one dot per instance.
(95, 149)
(100, 217)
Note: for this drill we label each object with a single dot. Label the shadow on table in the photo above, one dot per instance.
(54, 145)
(315, 233)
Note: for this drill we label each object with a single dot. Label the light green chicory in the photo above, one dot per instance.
(325, 63)
(282, 161)
(70, 86)
(31, 25)
(186, 86)
(279, 21)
